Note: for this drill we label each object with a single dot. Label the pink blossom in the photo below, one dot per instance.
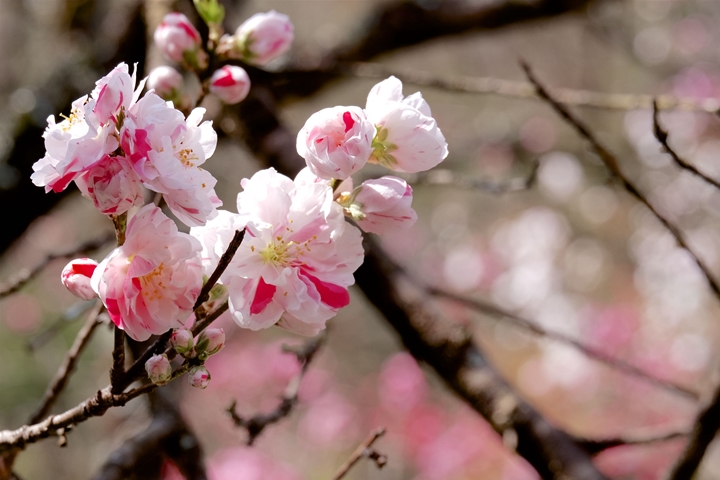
(264, 37)
(89, 133)
(150, 284)
(112, 185)
(165, 150)
(199, 377)
(247, 463)
(230, 83)
(336, 142)
(166, 82)
(159, 369)
(178, 40)
(408, 138)
(381, 206)
(296, 260)
(76, 277)
(182, 341)
(210, 342)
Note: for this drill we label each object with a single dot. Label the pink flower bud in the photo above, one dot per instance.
(159, 369)
(199, 377)
(182, 341)
(264, 37)
(210, 342)
(179, 41)
(336, 142)
(166, 81)
(230, 83)
(382, 205)
(76, 277)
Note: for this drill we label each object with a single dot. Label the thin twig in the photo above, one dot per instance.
(117, 371)
(21, 278)
(63, 374)
(597, 446)
(590, 352)
(223, 263)
(364, 450)
(257, 423)
(524, 90)
(662, 136)
(611, 163)
(442, 177)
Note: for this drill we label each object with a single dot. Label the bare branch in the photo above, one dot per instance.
(590, 352)
(597, 446)
(441, 177)
(257, 423)
(364, 450)
(20, 279)
(223, 263)
(611, 163)
(524, 90)
(117, 371)
(66, 368)
(662, 136)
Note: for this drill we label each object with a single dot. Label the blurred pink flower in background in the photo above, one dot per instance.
(247, 463)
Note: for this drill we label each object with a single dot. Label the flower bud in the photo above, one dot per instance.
(264, 37)
(230, 83)
(199, 377)
(166, 81)
(182, 341)
(178, 40)
(336, 142)
(381, 206)
(159, 369)
(210, 342)
(76, 277)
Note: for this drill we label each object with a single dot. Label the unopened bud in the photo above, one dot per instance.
(264, 37)
(76, 277)
(178, 40)
(210, 342)
(166, 81)
(182, 341)
(199, 377)
(230, 83)
(159, 369)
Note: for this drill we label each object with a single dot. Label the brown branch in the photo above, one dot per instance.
(66, 368)
(257, 423)
(117, 371)
(708, 421)
(364, 450)
(611, 163)
(590, 352)
(703, 432)
(21, 279)
(223, 263)
(596, 446)
(92, 407)
(523, 90)
(441, 177)
(662, 136)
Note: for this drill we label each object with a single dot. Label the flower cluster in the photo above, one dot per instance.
(258, 41)
(296, 261)
(114, 142)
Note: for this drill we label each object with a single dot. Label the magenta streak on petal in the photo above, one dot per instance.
(332, 295)
(85, 269)
(225, 81)
(61, 183)
(189, 30)
(349, 122)
(263, 296)
(114, 311)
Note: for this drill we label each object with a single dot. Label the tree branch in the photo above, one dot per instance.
(66, 368)
(364, 450)
(611, 163)
(117, 371)
(597, 446)
(590, 352)
(662, 136)
(223, 263)
(441, 177)
(257, 423)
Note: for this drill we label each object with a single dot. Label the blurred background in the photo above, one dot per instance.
(573, 252)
